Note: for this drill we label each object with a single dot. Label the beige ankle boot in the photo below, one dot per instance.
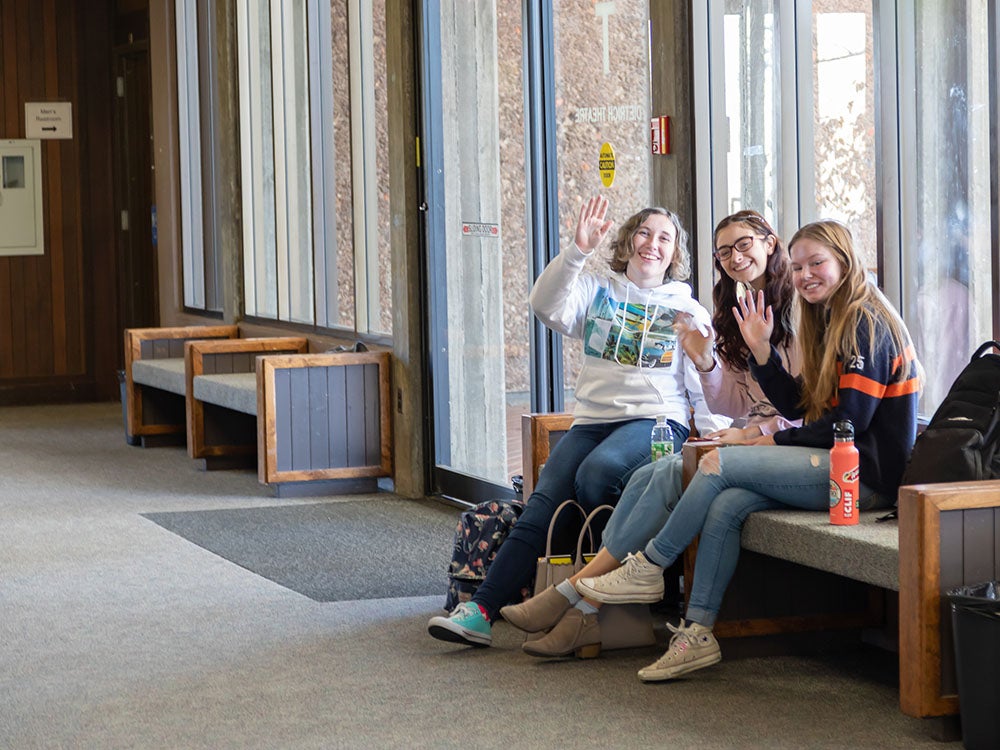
(576, 633)
(538, 613)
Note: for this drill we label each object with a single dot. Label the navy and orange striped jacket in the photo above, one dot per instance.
(871, 394)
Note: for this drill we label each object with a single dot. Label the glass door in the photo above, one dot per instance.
(528, 109)
(474, 178)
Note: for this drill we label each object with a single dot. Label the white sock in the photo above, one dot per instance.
(569, 591)
(586, 607)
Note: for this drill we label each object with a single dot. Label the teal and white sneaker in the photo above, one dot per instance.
(466, 624)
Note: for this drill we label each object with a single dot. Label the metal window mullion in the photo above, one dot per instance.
(799, 196)
(247, 188)
(794, 25)
(542, 204)
(888, 140)
(324, 206)
(189, 143)
(278, 117)
(363, 175)
(903, 292)
(295, 67)
(709, 137)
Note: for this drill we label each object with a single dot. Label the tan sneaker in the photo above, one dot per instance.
(576, 633)
(539, 613)
(637, 580)
(691, 647)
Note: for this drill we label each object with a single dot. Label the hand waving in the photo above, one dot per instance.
(756, 323)
(696, 345)
(592, 226)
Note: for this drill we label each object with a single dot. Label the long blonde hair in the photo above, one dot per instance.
(828, 333)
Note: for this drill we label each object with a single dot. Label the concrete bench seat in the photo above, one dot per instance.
(165, 374)
(236, 391)
(868, 552)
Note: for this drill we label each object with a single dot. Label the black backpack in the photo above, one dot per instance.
(961, 441)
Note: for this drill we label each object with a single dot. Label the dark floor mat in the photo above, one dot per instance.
(370, 549)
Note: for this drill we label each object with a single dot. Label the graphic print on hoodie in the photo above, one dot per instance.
(629, 333)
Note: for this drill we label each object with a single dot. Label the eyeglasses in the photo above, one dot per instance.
(743, 244)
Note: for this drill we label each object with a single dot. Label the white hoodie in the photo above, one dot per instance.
(632, 365)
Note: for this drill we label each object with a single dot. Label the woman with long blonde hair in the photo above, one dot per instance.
(858, 364)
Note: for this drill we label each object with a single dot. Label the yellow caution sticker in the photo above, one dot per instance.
(606, 163)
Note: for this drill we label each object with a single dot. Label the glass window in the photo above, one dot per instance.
(843, 122)
(752, 132)
(951, 287)
(314, 137)
(602, 102)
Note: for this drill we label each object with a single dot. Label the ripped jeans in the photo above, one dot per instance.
(751, 478)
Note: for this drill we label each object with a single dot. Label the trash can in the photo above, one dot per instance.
(130, 439)
(975, 620)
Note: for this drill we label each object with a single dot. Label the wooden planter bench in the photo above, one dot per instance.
(313, 423)
(797, 572)
(155, 387)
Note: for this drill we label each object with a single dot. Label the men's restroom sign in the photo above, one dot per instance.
(606, 163)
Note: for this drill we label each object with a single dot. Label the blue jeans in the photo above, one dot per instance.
(751, 478)
(644, 506)
(591, 464)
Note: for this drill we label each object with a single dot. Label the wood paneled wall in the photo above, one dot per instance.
(58, 311)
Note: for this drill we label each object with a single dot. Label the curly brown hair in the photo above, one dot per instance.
(622, 248)
(778, 292)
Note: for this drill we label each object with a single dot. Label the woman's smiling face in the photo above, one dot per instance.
(653, 246)
(816, 272)
(749, 264)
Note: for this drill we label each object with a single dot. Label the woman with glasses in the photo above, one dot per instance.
(858, 364)
(632, 372)
(750, 259)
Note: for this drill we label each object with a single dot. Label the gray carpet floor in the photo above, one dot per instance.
(116, 633)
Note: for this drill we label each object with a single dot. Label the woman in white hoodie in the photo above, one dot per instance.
(633, 371)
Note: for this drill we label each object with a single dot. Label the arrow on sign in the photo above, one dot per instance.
(53, 128)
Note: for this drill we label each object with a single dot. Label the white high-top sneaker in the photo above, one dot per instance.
(637, 580)
(691, 647)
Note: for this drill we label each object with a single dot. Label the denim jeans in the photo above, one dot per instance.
(644, 506)
(591, 464)
(751, 478)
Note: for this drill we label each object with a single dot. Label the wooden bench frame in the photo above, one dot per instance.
(195, 355)
(925, 667)
(163, 343)
(213, 430)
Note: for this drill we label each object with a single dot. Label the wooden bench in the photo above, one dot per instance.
(155, 387)
(312, 422)
(800, 573)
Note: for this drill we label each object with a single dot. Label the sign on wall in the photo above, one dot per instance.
(48, 119)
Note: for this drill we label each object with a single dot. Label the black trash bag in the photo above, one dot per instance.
(975, 618)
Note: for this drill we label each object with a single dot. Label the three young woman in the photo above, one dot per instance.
(858, 363)
(633, 371)
(749, 256)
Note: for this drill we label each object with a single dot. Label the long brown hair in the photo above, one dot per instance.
(622, 248)
(778, 292)
(828, 332)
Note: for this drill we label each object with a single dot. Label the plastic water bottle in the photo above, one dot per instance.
(661, 441)
(844, 475)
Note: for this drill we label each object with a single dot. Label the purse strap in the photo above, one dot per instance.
(552, 523)
(578, 562)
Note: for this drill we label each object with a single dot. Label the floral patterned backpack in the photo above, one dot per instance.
(478, 536)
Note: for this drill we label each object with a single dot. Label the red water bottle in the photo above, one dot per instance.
(844, 474)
